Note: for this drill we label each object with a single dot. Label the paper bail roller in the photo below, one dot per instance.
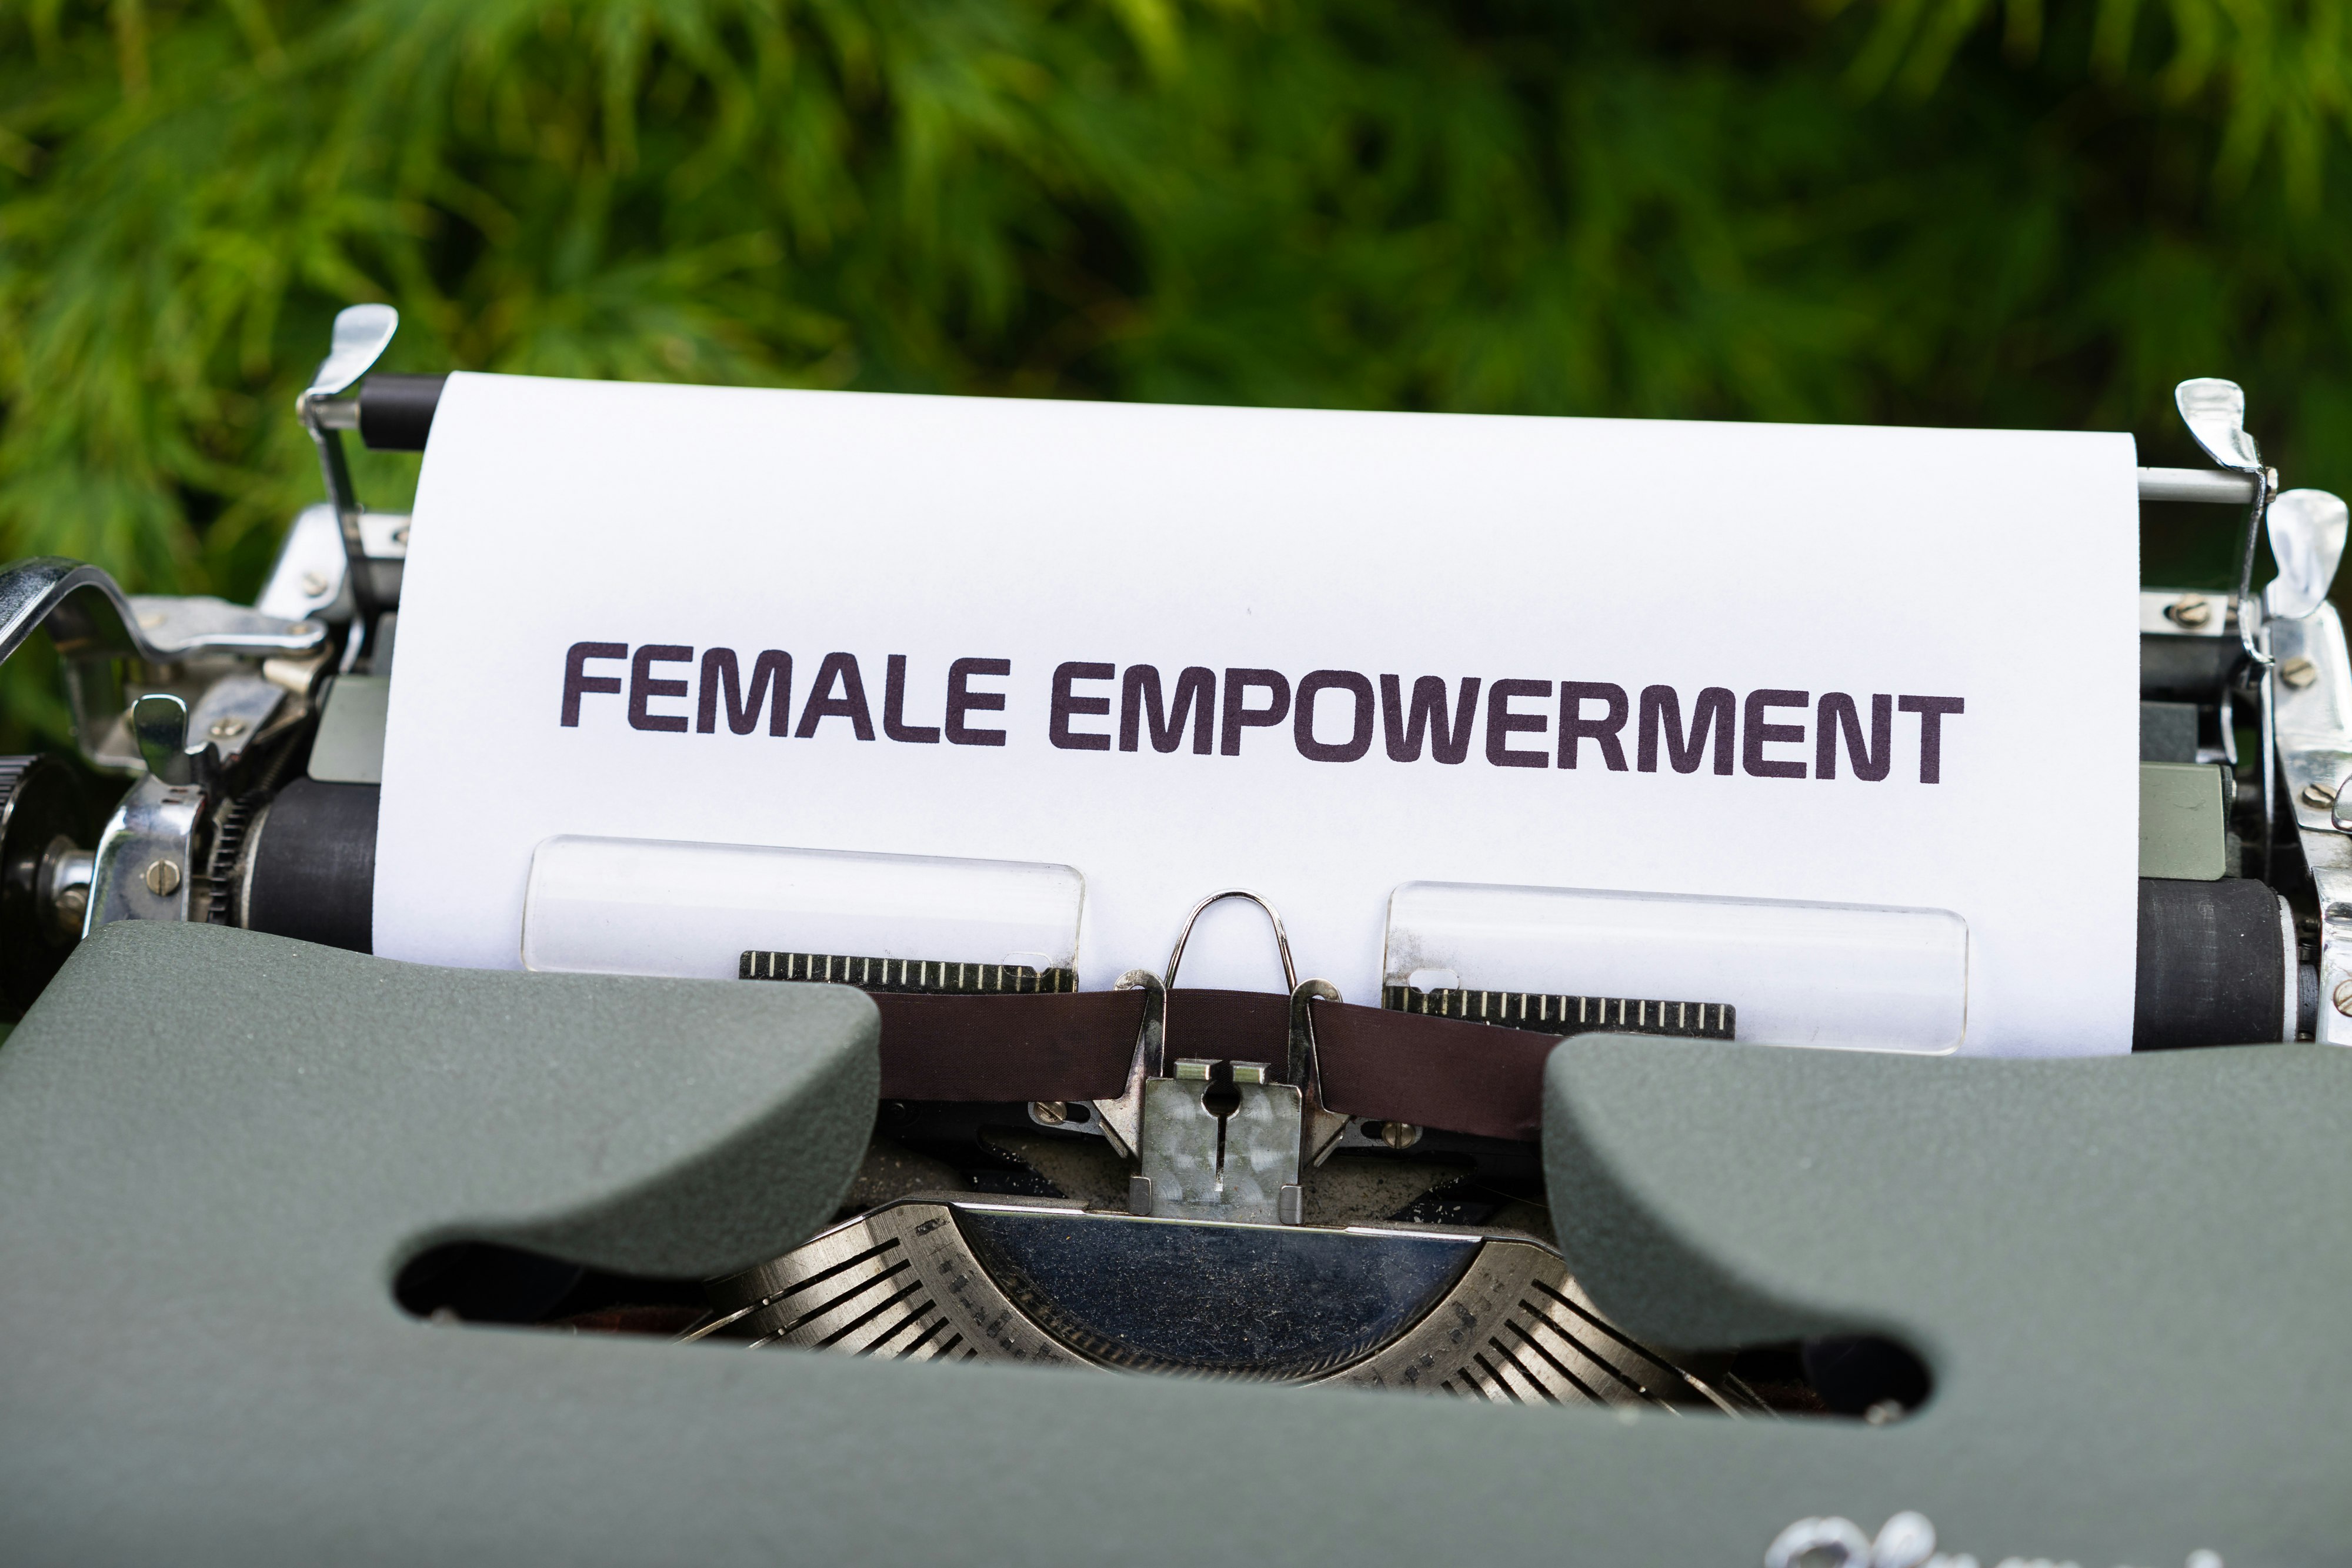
(633, 906)
(1791, 974)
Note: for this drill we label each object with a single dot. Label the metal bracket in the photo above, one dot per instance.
(1320, 1127)
(1239, 1164)
(233, 711)
(1121, 1119)
(1241, 1161)
(2314, 756)
(145, 866)
(2307, 531)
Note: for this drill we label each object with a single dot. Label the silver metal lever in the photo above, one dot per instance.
(2215, 411)
(160, 729)
(159, 725)
(94, 628)
(361, 334)
(88, 615)
(2308, 530)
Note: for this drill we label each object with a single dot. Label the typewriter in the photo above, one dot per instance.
(1131, 1204)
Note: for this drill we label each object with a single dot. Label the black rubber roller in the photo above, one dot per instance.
(397, 411)
(2212, 955)
(311, 867)
(2212, 965)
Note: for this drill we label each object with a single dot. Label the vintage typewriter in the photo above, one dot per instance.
(1269, 1188)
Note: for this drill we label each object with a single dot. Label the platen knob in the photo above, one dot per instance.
(50, 819)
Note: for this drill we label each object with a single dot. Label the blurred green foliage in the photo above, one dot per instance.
(1958, 212)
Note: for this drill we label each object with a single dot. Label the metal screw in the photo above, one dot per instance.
(163, 879)
(1399, 1135)
(2319, 795)
(1051, 1112)
(314, 584)
(2190, 610)
(400, 535)
(227, 729)
(1885, 1411)
(2298, 672)
(2344, 997)
(302, 628)
(150, 623)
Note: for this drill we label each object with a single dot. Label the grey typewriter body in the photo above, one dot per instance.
(308, 1254)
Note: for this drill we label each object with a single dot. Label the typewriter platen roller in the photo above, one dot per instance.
(1272, 1188)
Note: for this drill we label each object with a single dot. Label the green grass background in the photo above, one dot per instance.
(1956, 211)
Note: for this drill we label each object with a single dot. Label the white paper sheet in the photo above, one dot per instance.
(1998, 569)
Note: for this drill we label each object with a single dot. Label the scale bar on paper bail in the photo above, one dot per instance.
(918, 976)
(1554, 1015)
